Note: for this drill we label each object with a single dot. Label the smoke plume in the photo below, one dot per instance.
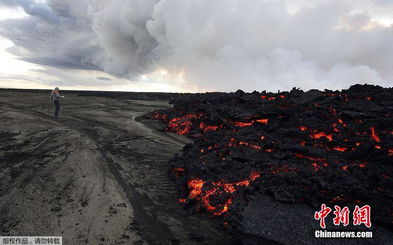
(212, 45)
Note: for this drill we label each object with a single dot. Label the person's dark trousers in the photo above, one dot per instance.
(57, 108)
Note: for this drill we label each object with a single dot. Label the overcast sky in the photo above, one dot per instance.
(190, 46)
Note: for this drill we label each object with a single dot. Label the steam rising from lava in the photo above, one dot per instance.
(212, 45)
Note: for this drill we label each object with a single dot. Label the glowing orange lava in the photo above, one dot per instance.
(235, 142)
(340, 149)
(206, 128)
(243, 124)
(195, 187)
(182, 125)
(321, 134)
(196, 192)
(302, 128)
(308, 157)
(374, 135)
(264, 121)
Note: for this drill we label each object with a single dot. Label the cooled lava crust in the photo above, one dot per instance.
(333, 147)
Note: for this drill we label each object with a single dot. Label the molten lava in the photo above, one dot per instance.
(206, 128)
(235, 142)
(204, 195)
(302, 128)
(321, 134)
(243, 124)
(195, 187)
(264, 121)
(374, 135)
(308, 149)
(181, 125)
(340, 149)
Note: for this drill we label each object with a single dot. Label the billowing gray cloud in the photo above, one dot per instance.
(215, 45)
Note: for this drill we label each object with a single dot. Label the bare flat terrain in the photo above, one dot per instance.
(94, 176)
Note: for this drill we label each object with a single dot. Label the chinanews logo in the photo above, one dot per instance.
(360, 216)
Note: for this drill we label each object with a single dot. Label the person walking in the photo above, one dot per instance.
(55, 96)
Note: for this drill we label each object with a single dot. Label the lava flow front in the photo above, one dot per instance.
(312, 147)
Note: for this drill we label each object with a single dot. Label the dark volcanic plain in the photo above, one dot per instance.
(96, 175)
(253, 168)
